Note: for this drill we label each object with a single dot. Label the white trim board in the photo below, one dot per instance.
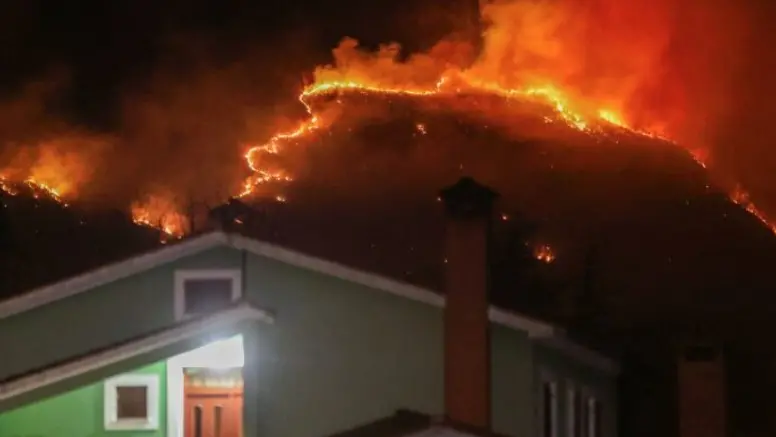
(534, 328)
(132, 349)
(582, 354)
(108, 273)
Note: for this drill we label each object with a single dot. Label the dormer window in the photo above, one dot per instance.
(199, 292)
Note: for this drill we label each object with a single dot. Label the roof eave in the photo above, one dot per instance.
(108, 273)
(134, 348)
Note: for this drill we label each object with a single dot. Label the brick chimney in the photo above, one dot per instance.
(468, 207)
(702, 394)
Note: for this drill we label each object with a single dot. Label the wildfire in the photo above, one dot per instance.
(562, 55)
(37, 188)
(451, 83)
(544, 253)
(425, 76)
(157, 211)
(740, 197)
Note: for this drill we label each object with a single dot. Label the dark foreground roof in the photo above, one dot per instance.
(407, 423)
(401, 423)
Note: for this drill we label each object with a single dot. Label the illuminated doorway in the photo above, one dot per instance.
(212, 402)
(205, 391)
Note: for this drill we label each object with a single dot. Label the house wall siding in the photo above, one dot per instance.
(339, 354)
(78, 413)
(511, 382)
(115, 312)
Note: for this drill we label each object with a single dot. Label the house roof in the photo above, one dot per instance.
(94, 360)
(549, 334)
(406, 423)
(403, 422)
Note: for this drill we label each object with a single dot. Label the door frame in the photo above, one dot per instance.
(175, 383)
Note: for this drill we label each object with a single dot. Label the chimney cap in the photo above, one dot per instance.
(468, 198)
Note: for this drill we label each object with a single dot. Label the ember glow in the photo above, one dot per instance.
(544, 253)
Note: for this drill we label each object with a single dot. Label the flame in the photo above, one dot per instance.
(544, 253)
(38, 189)
(740, 197)
(159, 212)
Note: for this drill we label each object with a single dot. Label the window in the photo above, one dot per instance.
(200, 292)
(132, 402)
(575, 413)
(593, 417)
(549, 409)
(584, 414)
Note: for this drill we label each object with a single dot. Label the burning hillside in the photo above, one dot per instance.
(593, 112)
(583, 66)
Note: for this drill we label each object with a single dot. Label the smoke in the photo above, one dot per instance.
(48, 150)
(693, 71)
(676, 68)
(178, 133)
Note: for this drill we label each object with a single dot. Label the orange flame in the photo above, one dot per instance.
(544, 253)
(159, 212)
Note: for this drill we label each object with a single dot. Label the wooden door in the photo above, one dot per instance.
(212, 409)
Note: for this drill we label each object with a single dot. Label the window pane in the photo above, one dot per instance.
(575, 414)
(131, 402)
(700, 353)
(596, 405)
(579, 416)
(198, 421)
(205, 295)
(219, 411)
(548, 409)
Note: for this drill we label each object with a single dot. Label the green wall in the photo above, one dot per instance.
(512, 410)
(78, 413)
(339, 354)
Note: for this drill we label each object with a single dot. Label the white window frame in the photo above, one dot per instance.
(548, 377)
(571, 414)
(181, 276)
(592, 423)
(110, 405)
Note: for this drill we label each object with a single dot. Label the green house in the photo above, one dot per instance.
(221, 335)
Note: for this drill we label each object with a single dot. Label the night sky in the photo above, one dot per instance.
(647, 242)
